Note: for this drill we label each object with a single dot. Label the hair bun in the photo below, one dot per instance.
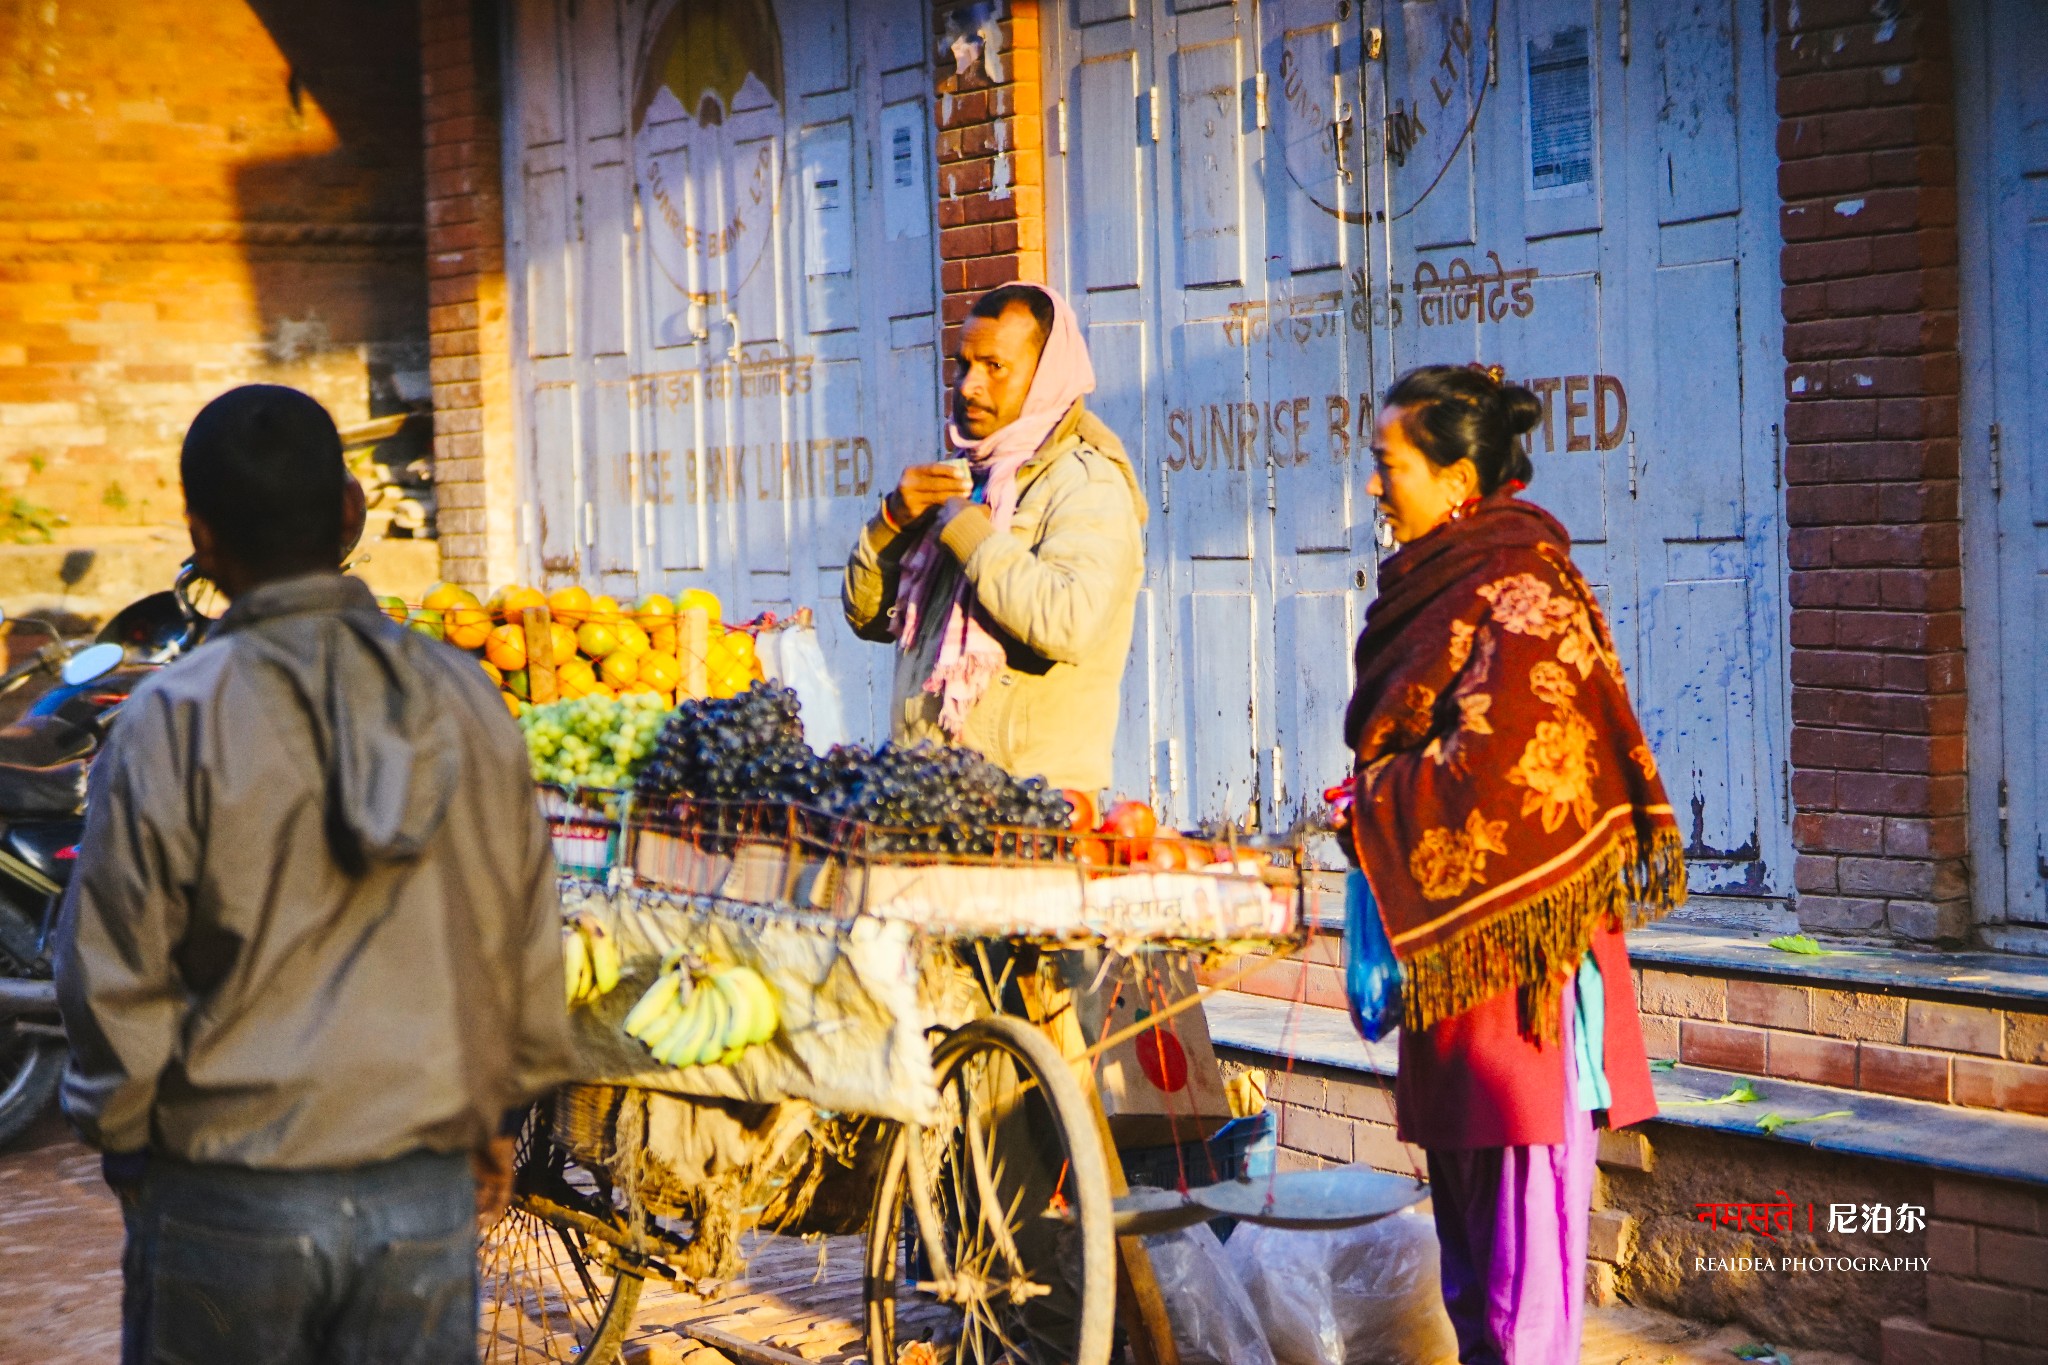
(1521, 408)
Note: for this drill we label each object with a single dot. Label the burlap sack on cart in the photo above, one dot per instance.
(855, 1001)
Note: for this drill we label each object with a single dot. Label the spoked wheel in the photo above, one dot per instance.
(992, 1237)
(554, 1273)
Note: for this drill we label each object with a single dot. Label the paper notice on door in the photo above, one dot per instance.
(828, 201)
(906, 206)
(1559, 114)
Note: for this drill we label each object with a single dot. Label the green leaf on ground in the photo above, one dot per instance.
(1769, 1355)
(1663, 1064)
(1742, 1092)
(1799, 943)
(1771, 1123)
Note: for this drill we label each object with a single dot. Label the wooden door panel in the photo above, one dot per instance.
(558, 508)
(549, 227)
(1698, 123)
(1220, 668)
(1104, 137)
(1209, 163)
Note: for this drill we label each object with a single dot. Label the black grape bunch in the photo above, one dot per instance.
(921, 798)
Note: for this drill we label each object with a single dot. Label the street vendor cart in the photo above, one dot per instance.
(927, 1080)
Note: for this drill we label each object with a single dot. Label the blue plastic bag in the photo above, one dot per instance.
(1372, 978)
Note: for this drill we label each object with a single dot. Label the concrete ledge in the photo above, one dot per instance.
(1974, 1141)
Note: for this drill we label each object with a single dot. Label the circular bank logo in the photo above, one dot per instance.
(707, 115)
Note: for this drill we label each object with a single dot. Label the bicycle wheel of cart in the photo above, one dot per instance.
(551, 1281)
(992, 1236)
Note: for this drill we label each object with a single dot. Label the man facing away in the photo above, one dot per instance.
(1008, 579)
(310, 963)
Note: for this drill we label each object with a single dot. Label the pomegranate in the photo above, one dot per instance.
(1083, 807)
(1132, 824)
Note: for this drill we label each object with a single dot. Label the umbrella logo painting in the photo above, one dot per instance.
(708, 177)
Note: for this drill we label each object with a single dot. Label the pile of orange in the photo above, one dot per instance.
(597, 647)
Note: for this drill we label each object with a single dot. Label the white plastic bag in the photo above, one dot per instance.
(802, 664)
(1368, 1295)
(1213, 1321)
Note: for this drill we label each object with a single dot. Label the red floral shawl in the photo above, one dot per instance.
(1508, 806)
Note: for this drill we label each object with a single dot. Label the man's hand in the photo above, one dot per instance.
(925, 486)
(493, 1167)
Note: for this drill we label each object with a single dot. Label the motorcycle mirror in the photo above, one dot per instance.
(92, 663)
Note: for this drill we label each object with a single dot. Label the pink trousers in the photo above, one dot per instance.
(1511, 1223)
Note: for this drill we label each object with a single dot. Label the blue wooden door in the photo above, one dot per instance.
(723, 259)
(1591, 208)
(2002, 84)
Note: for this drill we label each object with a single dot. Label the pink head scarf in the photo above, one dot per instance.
(969, 657)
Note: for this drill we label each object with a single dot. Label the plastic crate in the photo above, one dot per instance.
(1229, 1155)
(584, 827)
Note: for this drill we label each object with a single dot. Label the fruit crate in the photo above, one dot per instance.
(1035, 884)
(584, 823)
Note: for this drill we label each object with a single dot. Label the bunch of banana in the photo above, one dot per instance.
(687, 1020)
(590, 957)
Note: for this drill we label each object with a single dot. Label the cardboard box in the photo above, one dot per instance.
(1163, 1086)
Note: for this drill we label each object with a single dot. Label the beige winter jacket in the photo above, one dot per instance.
(1059, 589)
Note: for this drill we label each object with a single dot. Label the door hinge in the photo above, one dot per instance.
(1785, 790)
(1259, 99)
(590, 523)
(1062, 108)
(1493, 54)
(1623, 30)
(648, 517)
(1165, 492)
(1777, 456)
(1997, 462)
(2004, 815)
(1277, 799)
(1157, 114)
(1272, 488)
(1632, 464)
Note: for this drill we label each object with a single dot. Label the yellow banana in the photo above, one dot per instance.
(657, 1002)
(686, 1038)
(575, 964)
(739, 1023)
(731, 1055)
(604, 953)
(718, 1008)
(767, 1011)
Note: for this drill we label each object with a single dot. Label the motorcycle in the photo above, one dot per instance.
(44, 758)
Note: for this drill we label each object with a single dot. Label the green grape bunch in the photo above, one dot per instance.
(592, 741)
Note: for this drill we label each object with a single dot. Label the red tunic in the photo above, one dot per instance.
(1475, 1081)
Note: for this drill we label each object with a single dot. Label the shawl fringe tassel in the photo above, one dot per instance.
(1538, 944)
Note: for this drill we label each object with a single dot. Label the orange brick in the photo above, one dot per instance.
(1902, 1071)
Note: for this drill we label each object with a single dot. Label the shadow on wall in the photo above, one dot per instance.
(336, 241)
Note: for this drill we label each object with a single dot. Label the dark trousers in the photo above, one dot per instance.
(371, 1266)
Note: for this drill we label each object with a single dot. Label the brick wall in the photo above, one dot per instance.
(1980, 1058)
(1867, 180)
(991, 169)
(475, 458)
(195, 195)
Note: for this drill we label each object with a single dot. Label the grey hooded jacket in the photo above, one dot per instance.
(314, 921)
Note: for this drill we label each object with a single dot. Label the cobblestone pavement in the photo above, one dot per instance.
(60, 1287)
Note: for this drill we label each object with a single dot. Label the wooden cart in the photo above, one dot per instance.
(986, 1201)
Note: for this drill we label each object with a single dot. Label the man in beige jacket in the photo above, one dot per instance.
(1008, 579)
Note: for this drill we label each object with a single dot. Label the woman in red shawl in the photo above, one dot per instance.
(1510, 822)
